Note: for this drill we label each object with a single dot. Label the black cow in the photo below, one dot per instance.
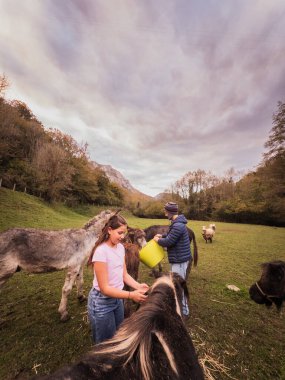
(271, 286)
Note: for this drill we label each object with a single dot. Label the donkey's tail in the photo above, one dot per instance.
(195, 250)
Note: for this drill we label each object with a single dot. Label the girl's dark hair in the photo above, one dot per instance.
(114, 222)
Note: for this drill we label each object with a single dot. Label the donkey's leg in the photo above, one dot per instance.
(66, 289)
(5, 276)
(8, 266)
(79, 284)
(188, 270)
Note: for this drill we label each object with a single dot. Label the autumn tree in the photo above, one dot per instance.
(48, 162)
(52, 170)
(88, 184)
(18, 140)
(4, 84)
(23, 110)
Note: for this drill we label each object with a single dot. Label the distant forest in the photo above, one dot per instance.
(52, 165)
(256, 198)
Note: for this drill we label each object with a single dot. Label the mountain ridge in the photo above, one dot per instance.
(117, 177)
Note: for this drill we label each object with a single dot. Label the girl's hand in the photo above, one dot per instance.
(138, 295)
(143, 286)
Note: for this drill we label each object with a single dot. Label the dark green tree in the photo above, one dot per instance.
(276, 142)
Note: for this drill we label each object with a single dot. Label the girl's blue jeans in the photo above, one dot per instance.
(181, 269)
(105, 315)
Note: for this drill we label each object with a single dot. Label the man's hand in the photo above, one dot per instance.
(157, 237)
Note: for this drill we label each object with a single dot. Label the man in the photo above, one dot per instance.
(178, 245)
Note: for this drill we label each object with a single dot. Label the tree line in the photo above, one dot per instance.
(52, 165)
(257, 197)
(47, 162)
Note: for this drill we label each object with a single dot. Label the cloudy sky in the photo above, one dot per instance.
(156, 88)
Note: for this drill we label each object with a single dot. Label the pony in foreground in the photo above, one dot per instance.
(40, 251)
(152, 344)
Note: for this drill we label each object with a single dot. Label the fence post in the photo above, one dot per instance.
(0, 182)
(14, 187)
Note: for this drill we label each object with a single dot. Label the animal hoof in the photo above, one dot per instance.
(81, 298)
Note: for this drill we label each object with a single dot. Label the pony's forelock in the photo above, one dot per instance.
(168, 280)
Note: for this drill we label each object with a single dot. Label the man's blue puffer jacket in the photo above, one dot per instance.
(177, 241)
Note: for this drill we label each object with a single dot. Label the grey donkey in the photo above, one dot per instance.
(40, 251)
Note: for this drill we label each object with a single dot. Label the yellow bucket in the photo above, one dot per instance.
(151, 254)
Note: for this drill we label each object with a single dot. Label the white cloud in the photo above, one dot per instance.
(155, 88)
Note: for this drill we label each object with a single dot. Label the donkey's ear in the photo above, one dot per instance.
(131, 232)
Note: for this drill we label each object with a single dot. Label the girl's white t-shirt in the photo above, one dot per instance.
(114, 257)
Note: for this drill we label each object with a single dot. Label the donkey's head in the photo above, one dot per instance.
(136, 236)
(97, 223)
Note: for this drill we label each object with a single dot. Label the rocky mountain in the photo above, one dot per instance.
(116, 177)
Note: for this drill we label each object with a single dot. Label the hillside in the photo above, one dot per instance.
(21, 210)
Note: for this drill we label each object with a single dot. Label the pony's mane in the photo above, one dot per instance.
(136, 333)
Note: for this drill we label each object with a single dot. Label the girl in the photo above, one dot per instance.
(105, 300)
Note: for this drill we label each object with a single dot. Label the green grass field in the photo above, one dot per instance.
(234, 337)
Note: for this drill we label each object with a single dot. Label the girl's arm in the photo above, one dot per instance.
(102, 278)
(129, 280)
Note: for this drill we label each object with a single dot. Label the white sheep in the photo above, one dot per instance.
(213, 226)
(208, 233)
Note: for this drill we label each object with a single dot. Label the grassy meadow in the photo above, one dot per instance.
(234, 337)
